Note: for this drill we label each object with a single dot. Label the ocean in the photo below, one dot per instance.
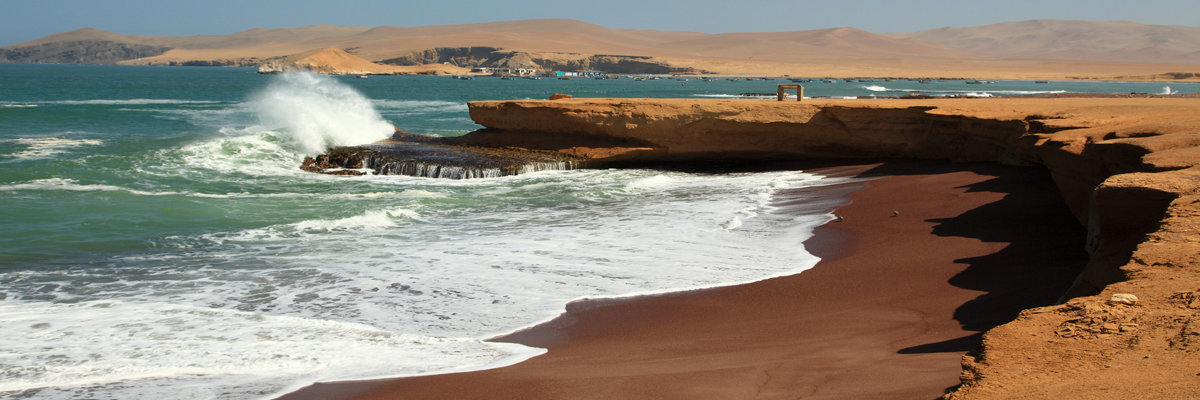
(159, 241)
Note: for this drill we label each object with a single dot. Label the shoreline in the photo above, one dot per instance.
(907, 332)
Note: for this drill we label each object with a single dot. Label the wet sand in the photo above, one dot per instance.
(887, 313)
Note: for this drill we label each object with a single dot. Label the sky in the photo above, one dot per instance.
(24, 20)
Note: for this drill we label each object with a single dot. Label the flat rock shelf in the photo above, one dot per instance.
(413, 155)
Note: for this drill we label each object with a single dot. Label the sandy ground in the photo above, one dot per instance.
(887, 313)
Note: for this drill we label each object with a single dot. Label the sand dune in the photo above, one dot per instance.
(1113, 41)
(1020, 50)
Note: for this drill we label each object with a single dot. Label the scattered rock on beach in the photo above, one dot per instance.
(1123, 298)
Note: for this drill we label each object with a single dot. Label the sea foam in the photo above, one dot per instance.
(47, 147)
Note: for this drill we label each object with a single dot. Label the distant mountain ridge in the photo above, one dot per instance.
(1112, 41)
(564, 44)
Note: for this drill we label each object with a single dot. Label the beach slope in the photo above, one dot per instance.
(926, 256)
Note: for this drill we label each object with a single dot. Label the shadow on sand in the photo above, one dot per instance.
(1045, 250)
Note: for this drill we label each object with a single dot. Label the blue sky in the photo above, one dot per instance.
(23, 20)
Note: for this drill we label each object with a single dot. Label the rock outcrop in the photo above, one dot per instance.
(78, 52)
(430, 157)
(1128, 168)
(492, 57)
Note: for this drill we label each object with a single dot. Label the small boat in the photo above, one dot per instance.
(640, 79)
(1041, 81)
(362, 77)
(974, 82)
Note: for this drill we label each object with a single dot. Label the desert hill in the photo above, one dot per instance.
(1113, 41)
(334, 61)
(1032, 49)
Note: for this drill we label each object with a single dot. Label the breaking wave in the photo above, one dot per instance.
(315, 113)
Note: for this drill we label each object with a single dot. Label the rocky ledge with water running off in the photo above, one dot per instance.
(410, 154)
(1128, 167)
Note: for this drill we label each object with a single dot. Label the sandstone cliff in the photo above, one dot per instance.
(1128, 168)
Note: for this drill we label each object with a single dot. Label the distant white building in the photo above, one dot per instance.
(504, 71)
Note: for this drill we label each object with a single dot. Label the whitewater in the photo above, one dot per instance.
(159, 240)
(147, 262)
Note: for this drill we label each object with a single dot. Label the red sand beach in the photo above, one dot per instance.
(887, 313)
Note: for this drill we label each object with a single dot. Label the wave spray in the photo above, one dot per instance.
(314, 113)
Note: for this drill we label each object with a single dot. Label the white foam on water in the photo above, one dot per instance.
(1167, 91)
(418, 106)
(1018, 91)
(653, 182)
(735, 96)
(410, 283)
(315, 112)
(407, 193)
(47, 147)
(970, 93)
(160, 347)
(261, 153)
(62, 184)
(65, 184)
(371, 220)
(130, 102)
(207, 115)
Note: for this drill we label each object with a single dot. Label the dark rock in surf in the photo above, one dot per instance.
(423, 156)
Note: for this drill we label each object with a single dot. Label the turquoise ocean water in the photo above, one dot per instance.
(158, 240)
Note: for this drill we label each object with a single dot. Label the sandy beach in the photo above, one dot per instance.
(887, 313)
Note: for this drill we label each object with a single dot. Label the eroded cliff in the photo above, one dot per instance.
(1126, 167)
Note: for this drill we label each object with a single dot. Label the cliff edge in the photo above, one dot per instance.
(1127, 167)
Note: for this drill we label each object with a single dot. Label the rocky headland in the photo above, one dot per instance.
(1126, 167)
